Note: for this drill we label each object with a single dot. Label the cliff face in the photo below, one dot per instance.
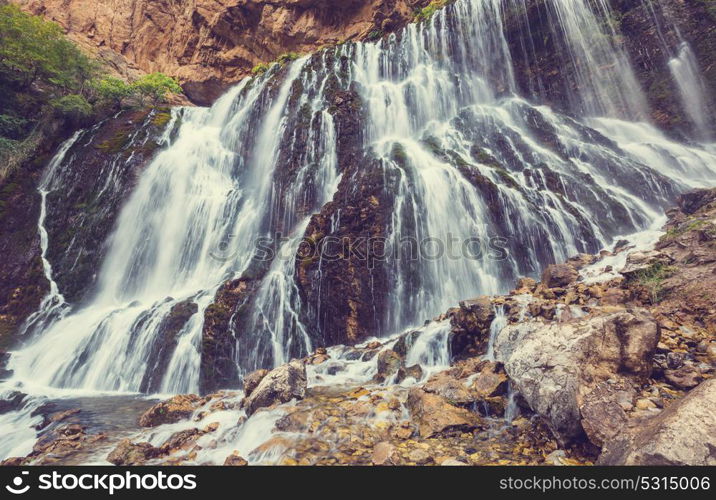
(209, 44)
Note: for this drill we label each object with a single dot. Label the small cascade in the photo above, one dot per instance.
(496, 327)
(430, 348)
(53, 305)
(692, 89)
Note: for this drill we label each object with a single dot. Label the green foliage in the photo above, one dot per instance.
(112, 90)
(73, 106)
(33, 49)
(287, 57)
(652, 280)
(12, 126)
(260, 69)
(156, 87)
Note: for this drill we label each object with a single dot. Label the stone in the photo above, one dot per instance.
(555, 365)
(415, 372)
(685, 377)
(385, 453)
(170, 411)
(490, 382)
(389, 362)
(235, 460)
(641, 261)
(682, 434)
(452, 462)
(420, 457)
(525, 285)
(559, 275)
(252, 380)
(128, 453)
(280, 385)
(443, 384)
(434, 416)
(601, 411)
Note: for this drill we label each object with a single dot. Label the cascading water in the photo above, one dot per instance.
(685, 71)
(464, 159)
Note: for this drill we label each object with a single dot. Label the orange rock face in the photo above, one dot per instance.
(210, 44)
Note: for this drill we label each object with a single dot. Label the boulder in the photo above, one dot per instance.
(389, 362)
(443, 384)
(385, 453)
(235, 459)
(280, 385)
(435, 417)
(556, 365)
(637, 262)
(490, 382)
(252, 380)
(602, 411)
(559, 275)
(170, 411)
(128, 453)
(682, 434)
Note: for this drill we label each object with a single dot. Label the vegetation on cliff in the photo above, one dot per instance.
(44, 77)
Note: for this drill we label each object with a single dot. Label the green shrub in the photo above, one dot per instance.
(72, 106)
(157, 87)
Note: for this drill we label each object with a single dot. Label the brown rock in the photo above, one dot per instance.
(385, 453)
(443, 384)
(252, 380)
(602, 414)
(559, 275)
(280, 385)
(685, 377)
(235, 459)
(490, 382)
(170, 411)
(434, 416)
(682, 434)
(128, 453)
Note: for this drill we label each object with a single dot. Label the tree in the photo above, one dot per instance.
(157, 87)
(113, 90)
(73, 106)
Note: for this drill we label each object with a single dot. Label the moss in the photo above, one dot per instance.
(260, 69)
(287, 57)
(161, 119)
(116, 143)
(427, 12)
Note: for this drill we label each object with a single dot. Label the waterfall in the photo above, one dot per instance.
(692, 89)
(463, 158)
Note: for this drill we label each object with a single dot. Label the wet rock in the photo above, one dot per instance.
(471, 327)
(415, 372)
(682, 434)
(581, 260)
(180, 440)
(452, 462)
(128, 453)
(526, 285)
(554, 365)
(235, 459)
(559, 275)
(434, 416)
(385, 453)
(693, 201)
(280, 385)
(491, 381)
(453, 390)
(170, 411)
(389, 362)
(252, 380)
(642, 261)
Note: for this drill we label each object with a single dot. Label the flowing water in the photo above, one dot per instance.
(463, 156)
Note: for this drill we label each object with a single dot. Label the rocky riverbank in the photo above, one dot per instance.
(609, 360)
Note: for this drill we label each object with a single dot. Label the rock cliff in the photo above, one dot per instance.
(209, 44)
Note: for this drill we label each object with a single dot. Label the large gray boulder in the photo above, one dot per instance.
(683, 434)
(280, 385)
(557, 365)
